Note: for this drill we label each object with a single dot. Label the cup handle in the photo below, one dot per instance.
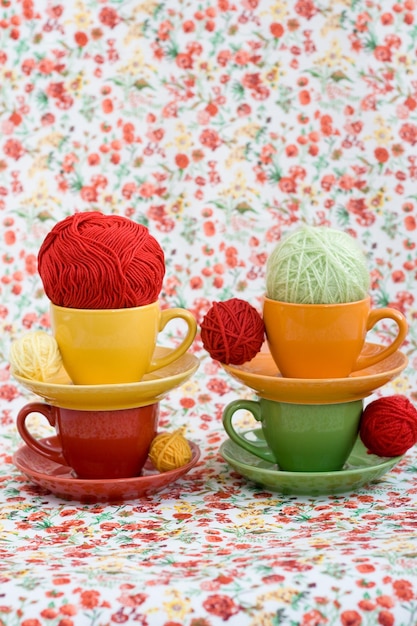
(374, 317)
(259, 450)
(166, 316)
(51, 453)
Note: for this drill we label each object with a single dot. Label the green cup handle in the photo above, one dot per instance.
(166, 316)
(259, 450)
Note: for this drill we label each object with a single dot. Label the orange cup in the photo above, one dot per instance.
(326, 340)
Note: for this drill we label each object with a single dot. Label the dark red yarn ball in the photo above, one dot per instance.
(389, 426)
(94, 261)
(232, 332)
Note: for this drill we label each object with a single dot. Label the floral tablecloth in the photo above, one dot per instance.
(220, 125)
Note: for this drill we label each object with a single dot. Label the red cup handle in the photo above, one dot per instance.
(51, 453)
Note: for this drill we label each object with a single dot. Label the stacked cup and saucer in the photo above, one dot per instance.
(312, 376)
(102, 398)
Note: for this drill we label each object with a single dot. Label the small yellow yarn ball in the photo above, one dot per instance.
(170, 450)
(35, 356)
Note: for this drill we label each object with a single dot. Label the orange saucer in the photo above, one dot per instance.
(261, 374)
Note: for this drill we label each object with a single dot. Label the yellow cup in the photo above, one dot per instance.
(114, 346)
(326, 340)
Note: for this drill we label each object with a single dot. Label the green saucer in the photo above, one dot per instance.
(361, 468)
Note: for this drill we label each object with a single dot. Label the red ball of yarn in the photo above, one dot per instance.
(389, 426)
(232, 332)
(95, 261)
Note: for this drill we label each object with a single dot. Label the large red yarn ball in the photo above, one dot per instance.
(94, 261)
(232, 332)
(389, 426)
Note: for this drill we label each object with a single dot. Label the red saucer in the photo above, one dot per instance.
(59, 480)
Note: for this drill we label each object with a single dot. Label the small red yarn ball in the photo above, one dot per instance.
(232, 332)
(94, 261)
(389, 426)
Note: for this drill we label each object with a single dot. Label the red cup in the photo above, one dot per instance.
(95, 444)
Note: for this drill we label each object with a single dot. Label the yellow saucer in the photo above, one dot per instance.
(152, 388)
(261, 374)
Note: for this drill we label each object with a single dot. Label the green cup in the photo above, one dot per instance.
(300, 437)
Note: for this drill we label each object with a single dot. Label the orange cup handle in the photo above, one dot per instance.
(51, 453)
(375, 316)
(166, 316)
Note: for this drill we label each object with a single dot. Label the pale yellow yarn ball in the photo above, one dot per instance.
(170, 451)
(35, 356)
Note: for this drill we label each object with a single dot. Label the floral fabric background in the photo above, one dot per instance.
(220, 126)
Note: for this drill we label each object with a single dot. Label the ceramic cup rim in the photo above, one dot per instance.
(312, 305)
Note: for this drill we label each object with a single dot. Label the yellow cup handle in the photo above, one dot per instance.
(166, 316)
(374, 317)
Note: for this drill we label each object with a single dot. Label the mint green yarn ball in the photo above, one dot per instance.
(317, 265)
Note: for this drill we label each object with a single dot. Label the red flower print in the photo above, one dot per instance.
(8, 392)
(182, 161)
(13, 149)
(381, 155)
(386, 618)
(357, 205)
(68, 609)
(383, 53)
(120, 617)
(107, 105)
(354, 128)
(403, 589)
(387, 19)
(276, 30)
(287, 185)
(49, 613)
(89, 599)
(326, 125)
(313, 618)
(350, 618)
(184, 61)
(408, 133)
(81, 39)
(305, 8)
(217, 385)
(221, 606)
(327, 182)
(251, 81)
(386, 601)
(292, 565)
(273, 578)
(210, 139)
(109, 17)
(46, 66)
(89, 193)
(365, 568)
(132, 600)
(367, 605)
